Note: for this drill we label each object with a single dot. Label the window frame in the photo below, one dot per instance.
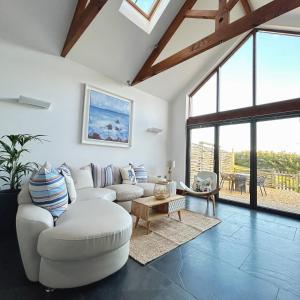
(257, 112)
(144, 14)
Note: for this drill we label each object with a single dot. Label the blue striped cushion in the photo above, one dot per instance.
(48, 190)
(102, 177)
(141, 174)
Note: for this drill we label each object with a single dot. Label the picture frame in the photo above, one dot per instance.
(107, 118)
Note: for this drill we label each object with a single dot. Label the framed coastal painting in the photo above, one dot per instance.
(107, 119)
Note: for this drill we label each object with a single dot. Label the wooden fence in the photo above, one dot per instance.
(281, 180)
(202, 158)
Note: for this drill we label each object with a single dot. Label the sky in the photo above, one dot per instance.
(278, 78)
(104, 101)
(145, 5)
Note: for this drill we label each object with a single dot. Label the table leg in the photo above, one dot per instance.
(179, 215)
(148, 226)
(136, 222)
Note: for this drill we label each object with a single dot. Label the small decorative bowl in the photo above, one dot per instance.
(161, 190)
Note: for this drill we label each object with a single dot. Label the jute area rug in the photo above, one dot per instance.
(166, 234)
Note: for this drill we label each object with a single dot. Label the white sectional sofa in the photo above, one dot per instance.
(88, 242)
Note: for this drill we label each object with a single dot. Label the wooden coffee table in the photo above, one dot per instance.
(149, 209)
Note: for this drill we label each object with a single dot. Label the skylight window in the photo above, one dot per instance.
(145, 7)
(144, 13)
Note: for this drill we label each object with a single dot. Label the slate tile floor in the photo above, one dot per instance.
(250, 255)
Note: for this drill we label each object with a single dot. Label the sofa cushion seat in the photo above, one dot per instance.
(96, 193)
(127, 192)
(86, 230)
(147, 187)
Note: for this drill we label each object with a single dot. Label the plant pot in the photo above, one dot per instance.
(8, 211)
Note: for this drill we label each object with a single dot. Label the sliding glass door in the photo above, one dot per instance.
(278, 164)
(234, 162)
(228, 151)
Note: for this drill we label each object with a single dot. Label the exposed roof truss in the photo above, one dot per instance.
(224, 30)
(85, 13)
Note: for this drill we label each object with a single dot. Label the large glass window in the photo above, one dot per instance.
(277, 70)
(274, 182)
(204, 101)
(278, 67)
(236, 79)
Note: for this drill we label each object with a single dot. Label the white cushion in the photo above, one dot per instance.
(86, 230)
(96, 193)
(82, 178)
(126, 192)
(128, 175)
(147, 187)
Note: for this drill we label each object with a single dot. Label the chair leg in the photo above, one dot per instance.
(261, 191)
(207, 204)
(265, 190)
(213, 198)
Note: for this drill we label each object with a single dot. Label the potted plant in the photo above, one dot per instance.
(12, 172)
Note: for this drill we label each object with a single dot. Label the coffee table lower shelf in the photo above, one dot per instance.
(150, 209)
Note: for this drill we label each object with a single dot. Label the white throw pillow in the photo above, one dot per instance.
(128, 175)
(202, 185)
(82, 178)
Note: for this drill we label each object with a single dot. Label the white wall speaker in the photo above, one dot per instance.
(34, 102)
(154, 130)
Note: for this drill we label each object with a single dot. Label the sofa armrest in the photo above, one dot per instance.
(24, 195)
(31, 220)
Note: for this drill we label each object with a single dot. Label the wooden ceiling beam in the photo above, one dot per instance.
(164, 40)
(82, 18)
(201, 14)
(80, 7)
(260, 16)
(222, 18)
(231, 4)
(246, 6)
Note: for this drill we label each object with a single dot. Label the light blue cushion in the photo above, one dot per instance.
(140, 173)
(48, 190)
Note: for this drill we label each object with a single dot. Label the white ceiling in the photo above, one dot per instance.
(116, 47)
(38, 24)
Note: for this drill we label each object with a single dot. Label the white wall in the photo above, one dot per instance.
(61, 82)
(177, 136)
